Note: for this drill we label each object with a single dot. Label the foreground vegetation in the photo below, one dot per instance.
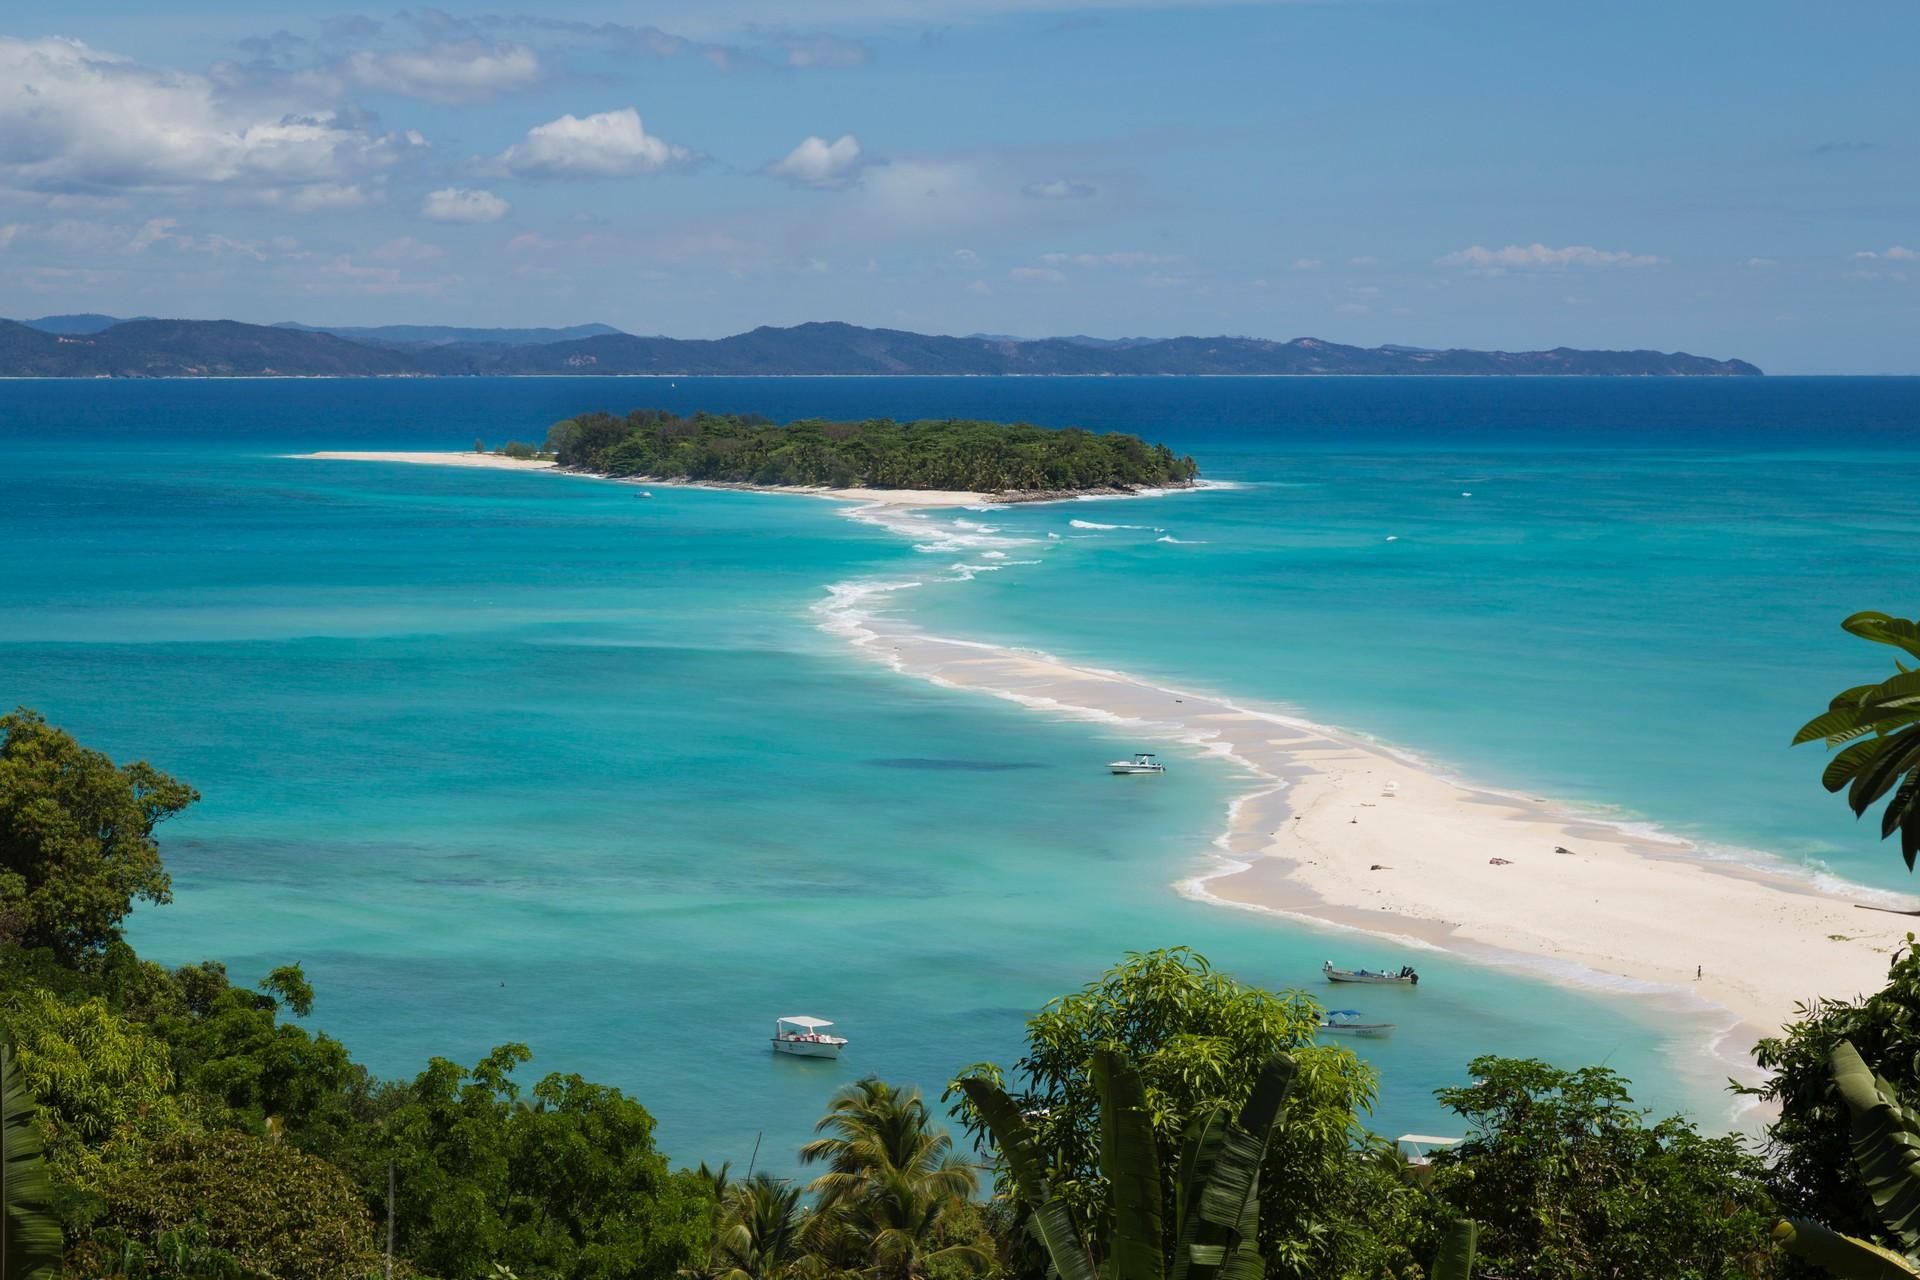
(982, 457)
(1164, 1123)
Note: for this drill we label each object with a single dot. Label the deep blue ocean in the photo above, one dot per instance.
(504, 756)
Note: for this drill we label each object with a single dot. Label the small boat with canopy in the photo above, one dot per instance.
(1142, 762)
(1346, 1022)
(806, 1037)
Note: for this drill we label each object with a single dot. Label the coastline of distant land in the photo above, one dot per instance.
(98, 346)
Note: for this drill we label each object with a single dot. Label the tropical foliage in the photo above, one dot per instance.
(1808, 1146)
(29, 1233)
(76, 838)
(1877, 729)
(1216, 1207)
(1885, 1138)
(1197, 1038)
(878, 453)
(1568, 1180)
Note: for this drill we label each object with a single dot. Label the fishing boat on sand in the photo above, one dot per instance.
(1142, 762)
(805, 1037)
(1379, 977)
(1346, 1022)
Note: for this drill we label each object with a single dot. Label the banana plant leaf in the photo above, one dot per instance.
(1221, 1211)
(1050, 1220)
(1840, 1255)
(1198, 1151)
(30, 1244)
(1052, 1225)
(1130, 1162)
(1457, 1247)
(1012, 1136)
(1886, 1143)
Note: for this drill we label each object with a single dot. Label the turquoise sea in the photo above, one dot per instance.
(520, 757)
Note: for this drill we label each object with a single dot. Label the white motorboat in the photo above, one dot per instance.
(806, 1037)
(1379, 977)
(1346, 1022)
(1142, 762)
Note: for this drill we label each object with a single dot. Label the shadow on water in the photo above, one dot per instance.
(966, 766)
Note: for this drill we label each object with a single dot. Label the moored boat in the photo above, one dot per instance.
(1380, 977)
(806, 1037)
(1142, 762)
(1346, 1022)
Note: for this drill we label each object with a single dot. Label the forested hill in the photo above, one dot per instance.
(981, 457)
(71, 346)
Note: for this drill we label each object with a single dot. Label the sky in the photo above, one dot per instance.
(1726, 179)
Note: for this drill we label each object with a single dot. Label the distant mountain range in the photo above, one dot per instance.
(82, 346)
(443, 335)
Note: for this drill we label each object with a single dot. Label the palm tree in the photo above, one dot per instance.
(894, 1191)
(759, 1236)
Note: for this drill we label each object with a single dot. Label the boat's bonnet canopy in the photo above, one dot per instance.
(802, 1020)
(1343, 1013)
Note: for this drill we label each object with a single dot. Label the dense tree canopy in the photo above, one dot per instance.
(564, 1184)
(275, 1210)
(1569, 1182)
(1198, 1038)
(76, 838)
(878, 454)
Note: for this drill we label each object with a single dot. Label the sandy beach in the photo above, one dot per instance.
(1338, 830)
(494, 461)
(1344, 832)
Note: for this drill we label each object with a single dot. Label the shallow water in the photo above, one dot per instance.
(520, 757)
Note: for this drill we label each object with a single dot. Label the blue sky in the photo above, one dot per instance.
(1734, 180)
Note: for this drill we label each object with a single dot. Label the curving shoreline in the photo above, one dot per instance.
(1342, 832)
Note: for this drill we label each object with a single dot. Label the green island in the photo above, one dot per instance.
(1165, 1122)
(1009, 459)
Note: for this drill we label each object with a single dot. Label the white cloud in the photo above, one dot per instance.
(463, 204)
(320, 197)
(1306, 264)
(1057, 189)
(966, 257)
(460, 71)
(1125, 258)
(819, 163)
(1364, 260)
(406, 249)
(1763, 262)
(612, 144)
(1352, 308)
(77, 119)
(821, 50)
(1898, 253)
(1538, 255)
(1037, 275)
(8, 232)
(342, 275)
